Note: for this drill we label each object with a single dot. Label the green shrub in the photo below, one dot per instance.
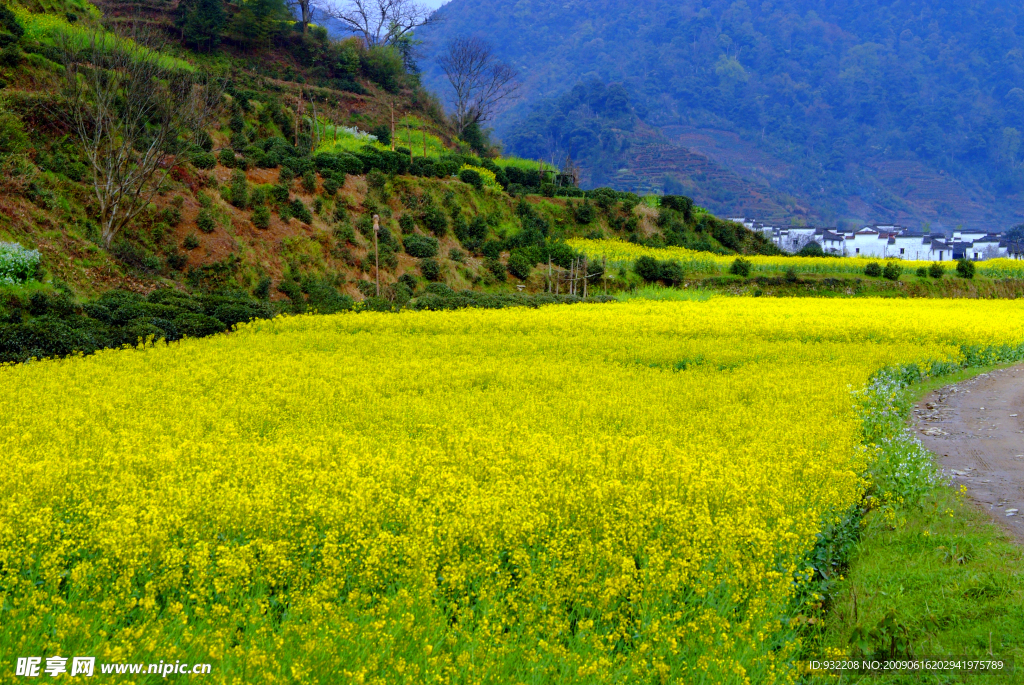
(309, 181)
(873, 269)
(376, 180)
(197, 325)
(741, 267)
(892, 271)
(922, 272)
(647, 268)
(445, 168)
(170, 216)
(457, 255)
(293, 290)
(811, 249)
(519, 265)
(471, 177)
(331, 186)
(430, 269)
(205, 221)
(422, 166)
(262, 289)
(344, 232)
(231, 313)
(261, 217)
(285, 175)
(435, 221)
(324, 298)
(190, 242)
(496, 267)
(421, 246)
(203, 160)
(965, 268)
(791, 276)
(227, 158)
(239, 189)
(300, 212)
(585, 213)
(491, 249)
(279, 194)
(936, 270)
(176, 261)
(406, 223)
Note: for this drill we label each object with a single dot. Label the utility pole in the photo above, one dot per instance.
(549, 273)
(376, 251)
(392, 124)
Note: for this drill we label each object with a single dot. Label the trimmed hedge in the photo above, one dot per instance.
(421, 246)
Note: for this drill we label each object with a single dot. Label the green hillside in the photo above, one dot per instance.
(861, 111)
(269, 205)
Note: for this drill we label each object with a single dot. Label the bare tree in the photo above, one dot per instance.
(481, 84)
(133, 118)
(379, 22)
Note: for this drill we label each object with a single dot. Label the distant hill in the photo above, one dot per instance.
(854, 111)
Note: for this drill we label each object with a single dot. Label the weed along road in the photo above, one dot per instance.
(976, 430)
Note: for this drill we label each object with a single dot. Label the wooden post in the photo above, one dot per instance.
(549, 273)
(376, 250)
(586, 277)
(392, 125)
(558, 282)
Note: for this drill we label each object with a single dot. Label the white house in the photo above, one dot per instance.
(867, 242)
(912, 246)
(832, 242)
(988, 247)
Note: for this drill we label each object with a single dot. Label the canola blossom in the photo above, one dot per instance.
(620, 253)
(588, 494)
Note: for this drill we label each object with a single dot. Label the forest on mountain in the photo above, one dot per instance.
(910, 110)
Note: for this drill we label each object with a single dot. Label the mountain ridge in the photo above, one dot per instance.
(906, 111)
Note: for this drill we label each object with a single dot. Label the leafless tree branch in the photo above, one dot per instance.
(480, 83)
(379, 22)
(133, 118)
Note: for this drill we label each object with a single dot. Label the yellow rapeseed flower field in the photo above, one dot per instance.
(589, 494)
(619, 252)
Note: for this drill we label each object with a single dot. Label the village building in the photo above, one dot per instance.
(890, 241)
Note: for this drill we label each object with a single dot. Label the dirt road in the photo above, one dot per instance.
(976, 430)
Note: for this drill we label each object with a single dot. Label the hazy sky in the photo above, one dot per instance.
(433, 4)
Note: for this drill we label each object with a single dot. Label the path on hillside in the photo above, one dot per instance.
(975, 428)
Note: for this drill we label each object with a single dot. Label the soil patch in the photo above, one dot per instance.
(976, 430)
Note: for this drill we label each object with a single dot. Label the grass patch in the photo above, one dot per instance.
(665, 294)
(931, 580)
(51, 29)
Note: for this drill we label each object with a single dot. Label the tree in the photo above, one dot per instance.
(1016, 234)
(257, 22)
(133, 118)
(200, 22)
(305, 8)
(480, 82)
(379, 22)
